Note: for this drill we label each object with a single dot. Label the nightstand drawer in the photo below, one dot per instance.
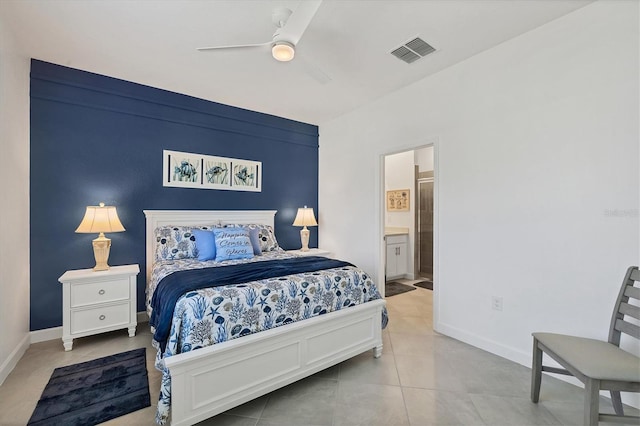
(99, 292)
(84, 320)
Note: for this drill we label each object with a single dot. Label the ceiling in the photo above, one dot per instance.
(343, 60)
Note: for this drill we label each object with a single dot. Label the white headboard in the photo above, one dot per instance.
(157, 218)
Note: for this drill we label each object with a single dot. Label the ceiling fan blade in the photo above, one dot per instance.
(298, 21)
(236, 46)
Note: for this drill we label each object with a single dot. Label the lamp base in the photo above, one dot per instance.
(101, 248)
(304, 238)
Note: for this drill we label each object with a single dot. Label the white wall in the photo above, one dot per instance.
(424, 159)
(14, 192)
(538, 192)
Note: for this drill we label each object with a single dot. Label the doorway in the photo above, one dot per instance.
(409, 225)
(398, 171)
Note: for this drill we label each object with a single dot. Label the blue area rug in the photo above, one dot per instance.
(95, 391)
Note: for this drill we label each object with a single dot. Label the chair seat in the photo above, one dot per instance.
(593, 358)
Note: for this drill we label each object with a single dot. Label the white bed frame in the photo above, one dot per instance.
(211, 380)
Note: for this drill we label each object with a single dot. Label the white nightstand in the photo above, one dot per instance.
(312, 252)
(95, 302)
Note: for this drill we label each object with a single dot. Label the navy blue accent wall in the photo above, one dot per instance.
(99, 139)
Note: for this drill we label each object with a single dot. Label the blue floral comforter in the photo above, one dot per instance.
(216, 314)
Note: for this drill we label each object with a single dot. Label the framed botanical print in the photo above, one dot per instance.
(398, 200)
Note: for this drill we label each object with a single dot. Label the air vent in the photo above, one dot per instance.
(405, 54)
(413, 50)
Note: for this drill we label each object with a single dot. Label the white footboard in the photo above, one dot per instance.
(208, 381)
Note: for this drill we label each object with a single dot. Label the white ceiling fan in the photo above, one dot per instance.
(290, 28)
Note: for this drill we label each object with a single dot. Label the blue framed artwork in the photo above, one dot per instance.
(188, 170)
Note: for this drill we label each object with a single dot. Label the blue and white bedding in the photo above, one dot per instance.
(205, 316)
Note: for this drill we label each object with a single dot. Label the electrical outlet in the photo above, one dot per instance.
(496, 303)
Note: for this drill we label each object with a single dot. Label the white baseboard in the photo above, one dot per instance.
(46, 334)
(37, 336)
(12, 360)
(520, 357)
(56, 332)
(512, 354)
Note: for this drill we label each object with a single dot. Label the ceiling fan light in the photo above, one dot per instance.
(283, 51)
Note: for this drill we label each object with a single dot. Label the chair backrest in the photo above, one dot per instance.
(628, 291)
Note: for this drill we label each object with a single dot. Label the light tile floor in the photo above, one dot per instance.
(422, 378)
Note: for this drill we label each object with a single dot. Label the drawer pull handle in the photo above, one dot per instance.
(102, 317)
(101, 292)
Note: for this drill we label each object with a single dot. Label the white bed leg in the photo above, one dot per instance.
(377, 351)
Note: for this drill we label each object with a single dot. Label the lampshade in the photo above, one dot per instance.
(100, 219)
(305, 217)
(283, 51)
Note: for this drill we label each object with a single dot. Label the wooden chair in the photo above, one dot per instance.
(599, 365)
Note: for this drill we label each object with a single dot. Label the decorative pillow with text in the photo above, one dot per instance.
(232, 243)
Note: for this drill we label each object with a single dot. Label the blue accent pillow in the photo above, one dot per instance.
(254, 236)
(206, 244)
(232, 243)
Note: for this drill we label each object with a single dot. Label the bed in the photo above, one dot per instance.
(202, 379)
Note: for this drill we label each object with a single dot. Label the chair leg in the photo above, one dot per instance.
(536, 371)
(591, 402)
(617, 403)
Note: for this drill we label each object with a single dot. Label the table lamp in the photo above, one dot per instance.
(305, 218)
(100, 219)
